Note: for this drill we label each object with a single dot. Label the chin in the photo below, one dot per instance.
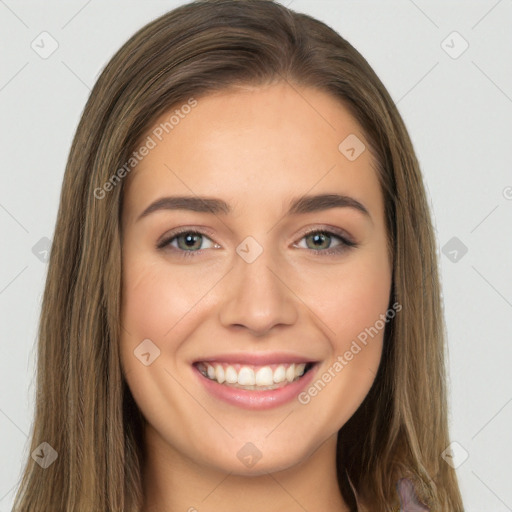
(247, 458)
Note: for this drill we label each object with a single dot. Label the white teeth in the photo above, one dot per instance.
(279, 374)
(299, 369)
(231, 375)
(246, 376)
(290, 373)
(264, 377)
(249, 376)
(219, 374)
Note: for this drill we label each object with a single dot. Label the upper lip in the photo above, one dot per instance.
(256, 359)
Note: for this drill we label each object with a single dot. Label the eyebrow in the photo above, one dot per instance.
(300, 205)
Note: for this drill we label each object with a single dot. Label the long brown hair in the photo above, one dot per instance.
(84, 409)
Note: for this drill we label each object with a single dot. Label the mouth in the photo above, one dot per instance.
(255, 380)
(251, 377)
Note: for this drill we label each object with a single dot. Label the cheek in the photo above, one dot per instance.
(162, 303)
(352, 298)
(352, 309)
(157, 304)
(150, 302)
(156, 296)
(150, 308)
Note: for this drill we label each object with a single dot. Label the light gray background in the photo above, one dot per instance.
(459, 114)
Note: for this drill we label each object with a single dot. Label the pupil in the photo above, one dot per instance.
(190, 240)
(320, 238)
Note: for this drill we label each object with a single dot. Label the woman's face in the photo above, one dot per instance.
(251, 276)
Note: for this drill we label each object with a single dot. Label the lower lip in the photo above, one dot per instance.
(256, 400)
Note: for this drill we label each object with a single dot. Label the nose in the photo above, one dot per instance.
(257, 296)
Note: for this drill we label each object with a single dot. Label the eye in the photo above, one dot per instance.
(320, 241)
(189, 242)
(186, 242)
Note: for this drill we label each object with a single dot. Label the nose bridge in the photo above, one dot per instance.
(257, 296)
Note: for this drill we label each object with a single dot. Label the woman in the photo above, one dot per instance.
(200, 348)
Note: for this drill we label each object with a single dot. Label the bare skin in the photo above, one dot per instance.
(256, 148)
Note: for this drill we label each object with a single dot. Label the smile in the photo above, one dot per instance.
(255, 382)
(253, 377)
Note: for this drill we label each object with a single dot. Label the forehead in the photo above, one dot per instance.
(252, 143)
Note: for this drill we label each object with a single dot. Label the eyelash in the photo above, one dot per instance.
(345, 244)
